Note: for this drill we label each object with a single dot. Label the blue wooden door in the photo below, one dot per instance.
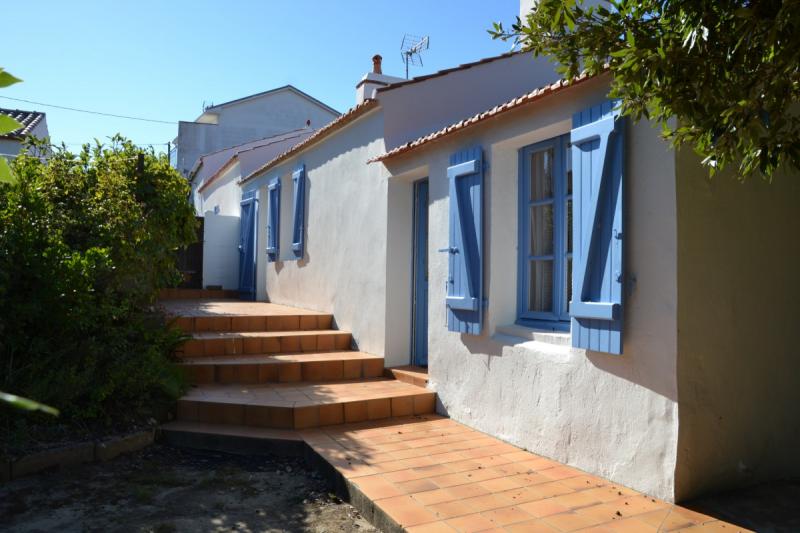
(419, 335)
(247, 248)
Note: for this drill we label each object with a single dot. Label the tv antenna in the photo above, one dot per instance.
(411, 50)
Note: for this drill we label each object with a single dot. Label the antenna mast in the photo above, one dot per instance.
(411, 50)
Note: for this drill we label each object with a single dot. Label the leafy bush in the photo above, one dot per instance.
(86, 242)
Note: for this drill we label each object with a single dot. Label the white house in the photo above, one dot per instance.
(34, 123)
(247, 119)
(217, 198)
(576, 287)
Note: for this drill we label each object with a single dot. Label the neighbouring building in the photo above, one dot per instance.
(34, 123)
(575, 286)
(247, 119)
(215, 182)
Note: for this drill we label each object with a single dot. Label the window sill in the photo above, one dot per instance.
(528, 334)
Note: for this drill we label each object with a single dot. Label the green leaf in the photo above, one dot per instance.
(7, 79)
(27, 404)
(6, 176)
(8, 124)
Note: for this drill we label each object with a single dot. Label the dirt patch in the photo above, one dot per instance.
(165, 490)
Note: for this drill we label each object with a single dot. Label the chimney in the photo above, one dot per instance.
(373, 80)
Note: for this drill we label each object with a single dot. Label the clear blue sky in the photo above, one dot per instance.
(163, 59)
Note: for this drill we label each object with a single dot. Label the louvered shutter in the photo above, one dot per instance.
(298, 220)
(273, 219)
(597, 139)
(464, 299)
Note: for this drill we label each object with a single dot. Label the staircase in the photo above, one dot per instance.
(259, 366)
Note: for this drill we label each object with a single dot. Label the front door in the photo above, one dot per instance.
(247, 248)
(419, 320)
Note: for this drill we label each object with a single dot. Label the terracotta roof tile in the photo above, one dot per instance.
(28, 119)
(515, 103)
(336, 124)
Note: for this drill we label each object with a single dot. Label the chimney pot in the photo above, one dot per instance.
(376, 64)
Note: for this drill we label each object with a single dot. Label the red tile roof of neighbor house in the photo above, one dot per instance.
(28, 119)
(511, 105)
(250, 156)
(345, 118)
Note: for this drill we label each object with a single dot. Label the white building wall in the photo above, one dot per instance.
(248, 120)
(220, 205)
(419, 108)
(220, 251)
(223, 196)
(343, 270)
(614, 416)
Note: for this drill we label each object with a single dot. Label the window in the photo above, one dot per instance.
(545, 233)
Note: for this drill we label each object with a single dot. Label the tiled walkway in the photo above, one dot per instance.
(430, 474)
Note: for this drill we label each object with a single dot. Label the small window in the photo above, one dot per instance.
(545, 233)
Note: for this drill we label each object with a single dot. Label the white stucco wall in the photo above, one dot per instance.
(223, 194)
(220, 251)
(343, 270)
(270, 114)
(419, 108)
(614, 416)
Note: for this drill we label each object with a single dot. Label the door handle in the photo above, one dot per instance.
(451, 250)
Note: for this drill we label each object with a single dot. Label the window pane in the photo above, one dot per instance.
(542, 230)
(569, 226)
(542, 175)
(540, 297)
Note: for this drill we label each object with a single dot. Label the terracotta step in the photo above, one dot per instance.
(232, 439)
(416, 375)
(237, 323)
(264, 342)
(196, 294)
(319, 366)
(304, 405)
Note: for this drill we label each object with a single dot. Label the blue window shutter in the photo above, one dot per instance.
(597, 139)
(298, 239)
(273, 219)
(464, 299)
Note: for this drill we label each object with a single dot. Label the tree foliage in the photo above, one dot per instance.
(727, 70)
(86, 242)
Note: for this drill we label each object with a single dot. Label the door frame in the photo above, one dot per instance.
(420, 265)
(252, 232)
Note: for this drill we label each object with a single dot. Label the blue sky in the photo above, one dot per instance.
(163, 59)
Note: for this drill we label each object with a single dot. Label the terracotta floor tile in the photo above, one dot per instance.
(470, 523)
(450, 480)
(470, 490)
(714, 527)
(406, 511)
(451, 509)
(486, 502)
(530, 526)
(629, 525)
(500, 484)
(670, 519)
(640, 504)
(569, 521)
(506, 515)
(542, 508)
(375, 487)
(434, 496)
(433, 527)
(416, 485)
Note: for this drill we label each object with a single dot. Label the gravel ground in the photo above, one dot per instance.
(163, 489)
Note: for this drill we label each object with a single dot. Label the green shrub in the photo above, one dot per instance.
(86, 242)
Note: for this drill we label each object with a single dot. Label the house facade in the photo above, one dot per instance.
(217, 199)
(33, 123)
(247, 119)
(575, 286)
